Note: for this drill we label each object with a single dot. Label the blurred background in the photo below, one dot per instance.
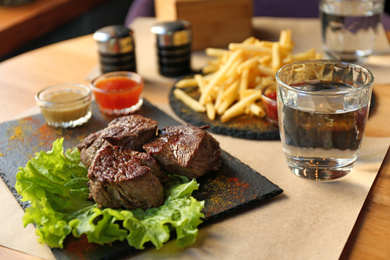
(29, 24)
(73, 18)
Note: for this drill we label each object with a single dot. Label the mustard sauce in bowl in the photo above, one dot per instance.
(65, 105)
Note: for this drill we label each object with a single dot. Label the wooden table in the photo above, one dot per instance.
(70, 61)
(22, 24)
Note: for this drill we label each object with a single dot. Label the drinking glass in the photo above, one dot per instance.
(323, 107)
(350, 27)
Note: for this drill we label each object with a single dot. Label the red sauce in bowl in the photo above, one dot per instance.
(269, 100)
(117, 94)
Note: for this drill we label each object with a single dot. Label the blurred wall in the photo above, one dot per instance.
(112, 12)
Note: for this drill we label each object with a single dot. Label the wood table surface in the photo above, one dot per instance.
(70, 61)
(23, 23)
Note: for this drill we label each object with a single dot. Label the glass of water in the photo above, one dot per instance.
(323, 107)
(349, 28)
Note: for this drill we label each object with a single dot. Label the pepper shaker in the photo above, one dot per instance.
(116, 48)
(173, 43)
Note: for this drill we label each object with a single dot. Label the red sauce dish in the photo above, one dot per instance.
(118, 93)
(268, 96)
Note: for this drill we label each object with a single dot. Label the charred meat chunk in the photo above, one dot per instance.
(89, 146)
(149, 161)
(123, 178)
(186, 150)
(130, 132)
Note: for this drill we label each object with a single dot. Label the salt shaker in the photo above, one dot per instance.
(173, 43)
(116, 48)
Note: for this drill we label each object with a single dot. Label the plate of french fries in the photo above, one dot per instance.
(226, 94)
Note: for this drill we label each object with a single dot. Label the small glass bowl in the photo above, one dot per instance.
(65, 105)
(118, 93)
(268, 95)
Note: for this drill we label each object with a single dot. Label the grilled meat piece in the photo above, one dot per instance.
(149, 161)
(130, 132)
(186, 150)
(90, 145)
(123, 178)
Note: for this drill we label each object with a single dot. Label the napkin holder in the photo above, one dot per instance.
(215, 23)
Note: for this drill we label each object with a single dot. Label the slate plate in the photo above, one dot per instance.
(244, 126)
(235, 187)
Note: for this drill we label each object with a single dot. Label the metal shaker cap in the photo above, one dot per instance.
(171, 34)
(114, 39)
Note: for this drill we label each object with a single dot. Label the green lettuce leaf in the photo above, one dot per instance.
(55, 184)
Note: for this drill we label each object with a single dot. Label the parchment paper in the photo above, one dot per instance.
(310, 220)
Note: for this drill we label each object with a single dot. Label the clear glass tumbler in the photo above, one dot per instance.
(323, 107)
(350, 27)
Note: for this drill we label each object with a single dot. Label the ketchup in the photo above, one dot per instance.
(271, 106)
(118, 93)
(271, 95)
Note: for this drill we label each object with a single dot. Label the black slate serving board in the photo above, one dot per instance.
(243, 126)
(235, 187)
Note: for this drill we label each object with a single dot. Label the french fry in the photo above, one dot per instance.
(236, 76)
(288, 59)
(202, 84)
(266, 59)
(225, 104)
(318, 56)
(200, 81)
(189, 101)
(249, 47)
(307, 55)
(232, 71)
(248, 63)
(219, 76)
(218, 99)
(209, 69)
(257, 110)
(210, 111)
(276, 58)
(239, 107)
(247, 93)
(250, 40)
(231, 90)
(285, 38)
(188, 82)
(231, 113)
(244, 80)
(216, 52)
(267, 44)
(218, 61)
(266, 71)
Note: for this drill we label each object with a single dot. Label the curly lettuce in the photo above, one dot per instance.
(55, 184)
